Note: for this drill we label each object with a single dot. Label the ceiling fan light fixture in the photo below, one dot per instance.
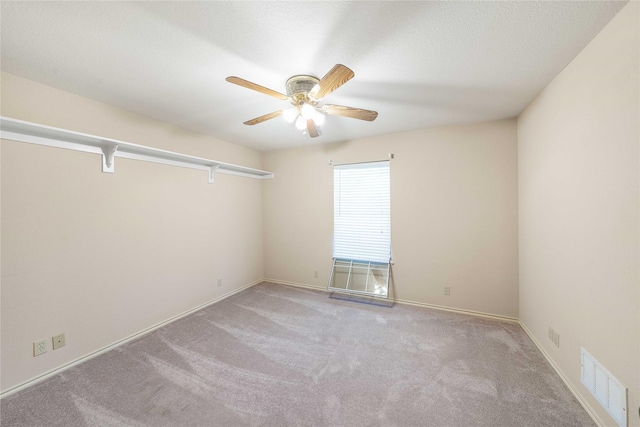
(301, 123)
(304, 92)
(307, 111)
(290, 114)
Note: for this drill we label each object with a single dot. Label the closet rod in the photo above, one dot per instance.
(34, 133)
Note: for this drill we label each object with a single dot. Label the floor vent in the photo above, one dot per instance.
(607, 390)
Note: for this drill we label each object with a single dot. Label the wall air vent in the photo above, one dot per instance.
(607, 390)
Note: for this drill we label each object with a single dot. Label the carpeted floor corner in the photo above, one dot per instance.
(275, 355)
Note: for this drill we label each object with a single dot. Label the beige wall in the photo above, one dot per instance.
(579, 187)
(453, 214)
(103, 256)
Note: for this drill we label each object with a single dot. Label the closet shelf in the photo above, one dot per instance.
(33, 133)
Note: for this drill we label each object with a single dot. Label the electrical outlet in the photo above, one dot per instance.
(315, 273)
(58, 341)
(219, 282)
(447, 290)
(39, 348)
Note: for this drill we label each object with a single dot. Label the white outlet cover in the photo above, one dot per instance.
(39, 347)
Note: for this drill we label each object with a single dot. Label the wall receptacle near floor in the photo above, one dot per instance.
(39, 348)
(607, 390)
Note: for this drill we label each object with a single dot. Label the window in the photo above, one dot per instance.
(361, 228)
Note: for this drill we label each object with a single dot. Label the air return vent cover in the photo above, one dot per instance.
(608, 391)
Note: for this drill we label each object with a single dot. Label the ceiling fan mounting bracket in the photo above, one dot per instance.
(299, 86)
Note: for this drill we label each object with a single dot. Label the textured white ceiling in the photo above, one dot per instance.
(419, 64)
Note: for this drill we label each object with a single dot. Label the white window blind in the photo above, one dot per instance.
(362, 212)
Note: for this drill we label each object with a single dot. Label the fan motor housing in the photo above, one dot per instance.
(300, 84)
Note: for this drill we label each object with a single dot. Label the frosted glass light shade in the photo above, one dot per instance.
(290, 114)
(307, 111)
(301, 123)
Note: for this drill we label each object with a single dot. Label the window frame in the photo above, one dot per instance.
(355, 266)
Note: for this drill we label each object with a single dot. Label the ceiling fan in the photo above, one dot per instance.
(304, 92)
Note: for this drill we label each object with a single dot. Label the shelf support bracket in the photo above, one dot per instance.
(108, 152)
(212, 170)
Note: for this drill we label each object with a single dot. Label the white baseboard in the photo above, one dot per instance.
(407, 302)
(298, 285)
(91, 355)
(592, 413)
(459, 311)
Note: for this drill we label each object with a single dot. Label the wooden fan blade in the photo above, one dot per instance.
(354, 113)
(263, 118)
(249, 85)
(335, 78)
(312, 129)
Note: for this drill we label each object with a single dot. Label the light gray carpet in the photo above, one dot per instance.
(275, 355)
